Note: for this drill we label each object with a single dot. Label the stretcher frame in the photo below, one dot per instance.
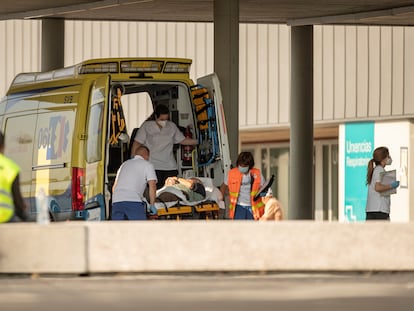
(205, 210)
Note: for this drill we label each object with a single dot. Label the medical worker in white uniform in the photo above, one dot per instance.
(159, 135)
(130, 183)
(378, 204)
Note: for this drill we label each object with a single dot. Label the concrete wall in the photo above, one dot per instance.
(187, 246)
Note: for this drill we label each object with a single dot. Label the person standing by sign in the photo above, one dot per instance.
(378, 202)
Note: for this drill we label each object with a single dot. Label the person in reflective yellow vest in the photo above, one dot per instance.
(11, 200)
(244, 182)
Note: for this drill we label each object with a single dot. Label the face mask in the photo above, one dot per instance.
(162, 123)
(389, 161)
(243, 169)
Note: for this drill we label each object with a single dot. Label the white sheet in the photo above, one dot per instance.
(212, 194)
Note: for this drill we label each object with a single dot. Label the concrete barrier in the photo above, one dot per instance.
(32, 248)
(186, 246)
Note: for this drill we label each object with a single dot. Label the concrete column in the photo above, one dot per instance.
(301, 124)
(226, 65)
(53, 44)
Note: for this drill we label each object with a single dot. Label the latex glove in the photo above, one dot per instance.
(395, 184)
(153, 209)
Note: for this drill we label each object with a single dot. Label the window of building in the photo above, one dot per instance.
(273, 159)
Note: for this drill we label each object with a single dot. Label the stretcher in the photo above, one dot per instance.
(184, 209)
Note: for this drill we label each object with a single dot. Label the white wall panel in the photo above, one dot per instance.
(20, 50)
(264, 57)
(251, 73)
(386, 71)
(96, 39)
(161, 39)
(3, 73)
(374, 56)
(409, 71)
(273, 70)
(284, 75)
(317, 73)
(264, 75)
(362, 71)
(328, 72)
(123, 35)
(339, 69)
(242, 73)
(398, 71)
(350, 72)
(200, 49)
(262, 102)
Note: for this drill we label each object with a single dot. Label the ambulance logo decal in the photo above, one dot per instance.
(55, 137)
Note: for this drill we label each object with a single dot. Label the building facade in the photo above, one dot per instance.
(361, 74)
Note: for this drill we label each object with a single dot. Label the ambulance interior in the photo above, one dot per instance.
(140, 97)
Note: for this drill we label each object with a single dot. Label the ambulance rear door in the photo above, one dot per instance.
(96, 136)
(219, 167)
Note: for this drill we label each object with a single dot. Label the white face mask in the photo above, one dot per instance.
(162, 123)
(243, 169)
(389, 161)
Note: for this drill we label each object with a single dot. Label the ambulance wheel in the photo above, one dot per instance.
(54, 207)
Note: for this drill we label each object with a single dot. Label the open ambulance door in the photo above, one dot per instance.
(215, 136)
(96, 206)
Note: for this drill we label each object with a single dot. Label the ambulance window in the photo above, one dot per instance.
(19, 137)
(94, 142)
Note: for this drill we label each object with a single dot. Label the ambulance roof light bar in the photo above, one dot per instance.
(173, 67)
(135, 66)
(105, 67)
(108, 66)
(28, 77)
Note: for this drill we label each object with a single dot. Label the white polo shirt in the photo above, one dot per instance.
(375, 201)
(160, 143)
(131, 180)
(244, 197)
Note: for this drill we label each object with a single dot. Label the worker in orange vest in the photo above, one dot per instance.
(244, 182)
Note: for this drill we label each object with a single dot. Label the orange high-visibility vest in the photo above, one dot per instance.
(234, 183)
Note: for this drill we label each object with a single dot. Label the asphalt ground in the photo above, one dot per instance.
(209, 291)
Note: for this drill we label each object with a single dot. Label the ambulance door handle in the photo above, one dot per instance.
(82, 185)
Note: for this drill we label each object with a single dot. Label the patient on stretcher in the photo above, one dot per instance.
(193, 197)
(192, 188)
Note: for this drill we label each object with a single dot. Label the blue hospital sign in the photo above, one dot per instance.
(359, 145)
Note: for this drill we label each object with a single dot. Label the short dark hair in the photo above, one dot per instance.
(245, 158)
(161, 109)
(197, 186)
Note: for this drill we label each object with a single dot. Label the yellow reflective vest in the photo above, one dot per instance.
(8, 172)
(234, 183)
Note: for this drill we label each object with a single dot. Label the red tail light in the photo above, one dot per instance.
(77, 184)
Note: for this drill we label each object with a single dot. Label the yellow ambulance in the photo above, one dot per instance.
(66, 130)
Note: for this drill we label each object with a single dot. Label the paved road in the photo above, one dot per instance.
(310, 292)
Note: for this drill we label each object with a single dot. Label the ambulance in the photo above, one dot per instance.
(67, 131)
